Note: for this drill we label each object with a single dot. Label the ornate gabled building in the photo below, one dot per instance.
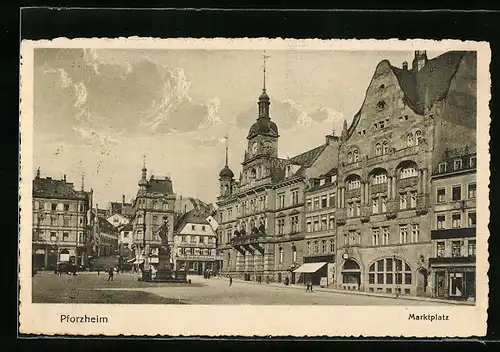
(409, 117)
(60, 222)
(154, 217)
(261, 216)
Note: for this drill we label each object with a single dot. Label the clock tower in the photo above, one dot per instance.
(262, 141)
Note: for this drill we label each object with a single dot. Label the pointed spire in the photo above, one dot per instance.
(264, 57)
(345, 125)
(83, 181)
(38, 172)
(227, 148)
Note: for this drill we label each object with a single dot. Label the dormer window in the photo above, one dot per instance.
(457, 164)
(409, 140)
(385, 148)
(322, 181)
(418, 137)
(355, 156)
(472, 161)
(442, 167)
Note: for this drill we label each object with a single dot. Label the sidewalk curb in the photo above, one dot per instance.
(331, 290)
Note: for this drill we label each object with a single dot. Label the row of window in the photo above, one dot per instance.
(198, 239)
(59, 206)
(294, 225)
(246, 208)
(196, 251)
(320, 223)
(382, 148)
(282, 255)
(317, 247)
(325, 201)
(458, 164)
(456, 192)
(456, 220)
(155, 219)
(58, 220)
(408, 233)
(294, 199)
(65, 236)
(157, 205)
(457, 249)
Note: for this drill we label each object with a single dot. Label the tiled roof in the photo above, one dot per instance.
(431, 83)
(162, 186)
(105, 225)
(307, 158)
(195, 216)
(59, 189)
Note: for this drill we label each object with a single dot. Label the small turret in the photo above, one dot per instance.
(420, 60)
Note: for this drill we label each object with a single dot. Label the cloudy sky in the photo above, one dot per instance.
(99, 111)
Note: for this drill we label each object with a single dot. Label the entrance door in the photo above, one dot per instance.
(293, 278)
(422, 281)
(470, 284)
(200, 268)
(456, 285)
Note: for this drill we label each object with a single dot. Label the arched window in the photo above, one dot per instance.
(353, 184)
(349, 158)
(378, 149)
(355, 156)
(392, 273)
(281, 255)
(418, 137)
(408, 172)
(385, 148)
(409, 139)
(294, 254)
(379, 178)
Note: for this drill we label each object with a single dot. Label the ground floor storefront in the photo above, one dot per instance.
(454, 282)
(197, 267)
(46, 257)
(399, 270)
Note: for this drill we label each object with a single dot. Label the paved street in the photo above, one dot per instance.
(93, 288)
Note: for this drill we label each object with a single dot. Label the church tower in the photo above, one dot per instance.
(226, 177)
(143, 182)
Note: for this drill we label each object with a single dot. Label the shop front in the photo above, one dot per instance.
(312, 271)
(456, 283)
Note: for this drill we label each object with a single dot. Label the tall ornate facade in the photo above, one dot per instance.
(154, 212)
(373, 219)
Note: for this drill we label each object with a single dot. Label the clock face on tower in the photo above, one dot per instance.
(254, 148)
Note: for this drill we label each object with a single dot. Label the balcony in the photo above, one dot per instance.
(405, 152)
(470, 259)
(380, 188)
(352, 166)
(365, 213)
(341, 217)
(453, 233)
(392, 209)
(407, 182)
(353, 193)
(248, 239)
(423, 204)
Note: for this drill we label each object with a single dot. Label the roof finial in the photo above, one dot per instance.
(83, 181)
(264, 70)
(226, 137)
(38, 172)
(144, 161)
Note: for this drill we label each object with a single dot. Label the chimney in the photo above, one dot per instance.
(64, 177)
(123, 199)
(405, 66)
(185, 207)
(38, 173)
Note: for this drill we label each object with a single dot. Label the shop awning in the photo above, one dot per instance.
(310, 267)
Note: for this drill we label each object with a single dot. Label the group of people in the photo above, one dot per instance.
(207, 274)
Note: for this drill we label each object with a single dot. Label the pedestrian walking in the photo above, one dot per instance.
(230, 280)
(98, 271)
(111, 273)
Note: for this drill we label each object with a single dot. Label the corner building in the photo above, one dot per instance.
(261, 215)
(386, 157)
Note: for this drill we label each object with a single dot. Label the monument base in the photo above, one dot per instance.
(166, 275)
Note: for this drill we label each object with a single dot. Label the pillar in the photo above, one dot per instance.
(362, 193)
(424, 181)
(367, 193)
(394, 187)
(339, 192)
(46, 259)
(420, 188)
(389, 187)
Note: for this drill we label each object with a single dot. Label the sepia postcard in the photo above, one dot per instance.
(254, 187)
